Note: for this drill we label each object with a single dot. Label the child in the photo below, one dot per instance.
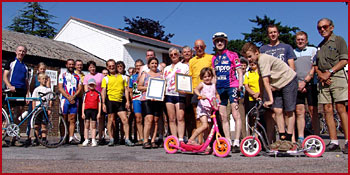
(205, 90)
(281, 85)
(91, 111)
(251, 84)
(42, 79)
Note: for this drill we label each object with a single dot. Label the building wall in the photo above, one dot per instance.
(98, 43)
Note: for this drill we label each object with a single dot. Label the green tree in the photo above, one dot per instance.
(258, 34)
(34, 20)
(147, 27)
(236, 45)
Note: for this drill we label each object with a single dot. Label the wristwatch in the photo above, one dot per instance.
(305, 81)
(331, 71)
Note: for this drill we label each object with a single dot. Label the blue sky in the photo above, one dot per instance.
(197, 20)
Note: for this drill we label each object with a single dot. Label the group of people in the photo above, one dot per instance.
(285, 79)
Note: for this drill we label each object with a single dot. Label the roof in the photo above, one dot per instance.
(45, 47)
(131, 36)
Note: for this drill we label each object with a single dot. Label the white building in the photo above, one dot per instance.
(110, 43)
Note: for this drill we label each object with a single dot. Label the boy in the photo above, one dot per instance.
(281, 85)
(42, 78)
(91, 111)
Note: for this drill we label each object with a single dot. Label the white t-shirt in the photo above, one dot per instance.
(44, 90)
(169, 75)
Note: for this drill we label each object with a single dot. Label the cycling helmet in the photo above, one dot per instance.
(220, 35)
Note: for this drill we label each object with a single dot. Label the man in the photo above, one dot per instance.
(114, 85)
(136, 96)
(307, 88)
(79, 71)
(196, 64)
(225, 64)
(16, 79)
(149, 54)
(285, 53)
(69, 85)
(331, 58)
(281, 85)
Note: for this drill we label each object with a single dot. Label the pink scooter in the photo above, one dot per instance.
(221, 146)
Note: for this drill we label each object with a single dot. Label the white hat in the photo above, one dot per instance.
(91, 81)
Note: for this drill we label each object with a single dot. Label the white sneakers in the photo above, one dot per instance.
(86, 142)
(93, 143)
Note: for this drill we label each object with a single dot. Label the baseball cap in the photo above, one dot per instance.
(91, 81)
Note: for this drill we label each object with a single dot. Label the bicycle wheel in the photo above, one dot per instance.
(250, 147)
(5, 123)
(55, 130)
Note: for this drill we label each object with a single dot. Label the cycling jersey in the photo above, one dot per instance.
(225, 66)
(136, 94)
(18, 73)
(70, 82)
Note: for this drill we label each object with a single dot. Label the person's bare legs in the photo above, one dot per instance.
(238, 122)
(180, 114)
(147, 127)
(139, 126)
(125, 121)
(314, 119)
(300, 112)
(172, 118)
(225, 123)
(198, 124)
(111, 125)
(343, 115)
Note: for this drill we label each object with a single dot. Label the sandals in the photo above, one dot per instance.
(192, 142)
(154, 145)
(146, 145)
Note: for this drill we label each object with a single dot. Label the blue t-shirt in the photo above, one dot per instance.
(304, 62)
(136, 94)
(282, 51)
(18, 73)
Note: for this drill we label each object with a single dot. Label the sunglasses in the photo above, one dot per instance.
(325, 27)
(173, 54)
(198, 47)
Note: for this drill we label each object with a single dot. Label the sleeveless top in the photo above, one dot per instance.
(209, 91)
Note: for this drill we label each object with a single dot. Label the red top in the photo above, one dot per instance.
(91, 99)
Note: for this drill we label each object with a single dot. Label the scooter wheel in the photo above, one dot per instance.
(250, 147)
(314, 146)
(222, 149)
(171, 140)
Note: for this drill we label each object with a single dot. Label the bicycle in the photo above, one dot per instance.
(221, 145)
(312, 146)
(55, 134)
(323, 124)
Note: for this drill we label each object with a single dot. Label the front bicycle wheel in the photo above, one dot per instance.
(5, 123)
(50, 132)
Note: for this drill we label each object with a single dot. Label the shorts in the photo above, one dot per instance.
(336, 92)
(40, 118)
(194, 99)
(226, 94)
(137, 106)
(113, 107)
(68, 108)
(286, 97)
(154, 108)
(18, 93)
(174, 99)
(310, 95)
(203, 111)
(91, 114)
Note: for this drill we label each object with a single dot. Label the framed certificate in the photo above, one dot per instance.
(155, 89)
(183, 83)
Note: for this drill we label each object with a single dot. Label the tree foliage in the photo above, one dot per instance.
(258, 34)
(235, 45)
(147, 27)
(34, 20)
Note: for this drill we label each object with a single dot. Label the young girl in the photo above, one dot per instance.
(205, 90)
(91, 111)
(251, 84)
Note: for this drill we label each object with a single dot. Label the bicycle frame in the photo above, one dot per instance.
(8, 99)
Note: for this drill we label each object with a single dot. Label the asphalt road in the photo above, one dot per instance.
(122, 159)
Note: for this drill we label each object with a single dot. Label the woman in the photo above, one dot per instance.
(175, 102)
(152, 110)
(98, 79)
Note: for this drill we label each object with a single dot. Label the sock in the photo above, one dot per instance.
(94, 140)
(282, 136)
(335, 142)
(346, 141)
(236, 142)
(301, 139)
(289, 137)
(181, 139)
(71, 138)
